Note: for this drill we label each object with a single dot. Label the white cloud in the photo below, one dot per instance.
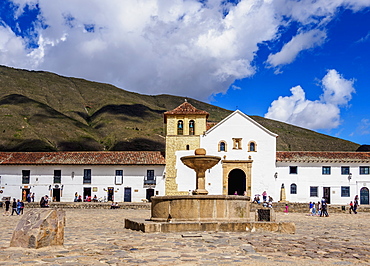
(337, 90)
(302, 41)
(319, 114)
(12, 48)
(166, 46)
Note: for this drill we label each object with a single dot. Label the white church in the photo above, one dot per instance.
(249, 165)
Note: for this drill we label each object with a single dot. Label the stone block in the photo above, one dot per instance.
(266, 226)
(39, 228)
(287, 227)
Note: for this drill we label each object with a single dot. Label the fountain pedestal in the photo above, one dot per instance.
(202, 212)
(198, 208)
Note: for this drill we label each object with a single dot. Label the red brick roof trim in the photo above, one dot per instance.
(309, 157)
(185, 109)
(83, 158)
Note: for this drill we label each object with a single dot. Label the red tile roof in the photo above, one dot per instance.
(83, 158)
(315, 156)
(185, 109)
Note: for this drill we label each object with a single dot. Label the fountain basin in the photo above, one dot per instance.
(200, 208)
(200, 163)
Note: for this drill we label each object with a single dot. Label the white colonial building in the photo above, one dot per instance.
(336, 176)
(249, 165)
(111, 176)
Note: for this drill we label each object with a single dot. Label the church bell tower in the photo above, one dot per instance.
(184, 125)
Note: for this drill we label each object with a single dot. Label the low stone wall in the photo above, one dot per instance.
(304, 208)
(92, 205)
(277, 206)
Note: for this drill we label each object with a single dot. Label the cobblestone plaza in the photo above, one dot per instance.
(98, 237)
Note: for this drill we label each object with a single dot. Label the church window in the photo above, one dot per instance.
(222, 146)
(293, 189)
(191, 127)
(252, 146)
(187, 147)
(237, 143)
(180, 127)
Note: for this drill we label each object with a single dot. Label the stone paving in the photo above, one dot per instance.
(98, 237)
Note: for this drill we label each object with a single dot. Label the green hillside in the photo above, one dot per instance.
(41, 111)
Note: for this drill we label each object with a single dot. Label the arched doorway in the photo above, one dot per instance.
(364, 196)
(236, 182)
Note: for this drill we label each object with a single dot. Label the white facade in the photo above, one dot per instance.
(310, 182)
(239, 126)
(247, 151)
(334, 175)
(131, 183)
(237, 132)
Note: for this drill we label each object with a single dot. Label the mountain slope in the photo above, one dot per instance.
(41, 111)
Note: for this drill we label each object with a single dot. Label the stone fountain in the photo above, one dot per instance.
(200, 211)
(200, 207)
(200, 163)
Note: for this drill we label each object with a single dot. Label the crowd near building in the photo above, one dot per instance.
(249, 166)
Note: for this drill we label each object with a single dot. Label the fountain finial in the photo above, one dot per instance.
(200, 151)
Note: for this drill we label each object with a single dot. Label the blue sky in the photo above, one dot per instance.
(302, 62)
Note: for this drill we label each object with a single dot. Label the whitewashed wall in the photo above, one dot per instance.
(239, 125)
(102, 177)
(310, 174)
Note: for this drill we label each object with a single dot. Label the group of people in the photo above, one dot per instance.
(353, 205)
(30, 197)
(267, 200)
(319, 208)
(17, 207)
(78, 198)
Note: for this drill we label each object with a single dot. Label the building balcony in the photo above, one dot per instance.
(149, 180)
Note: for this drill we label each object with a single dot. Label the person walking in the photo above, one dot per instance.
(14, 207)
(351, 207)
(19, 206)
(311, 205)
(355, 204)
(33, 197)
(324, 209)
(29, 195)
(7, 205)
